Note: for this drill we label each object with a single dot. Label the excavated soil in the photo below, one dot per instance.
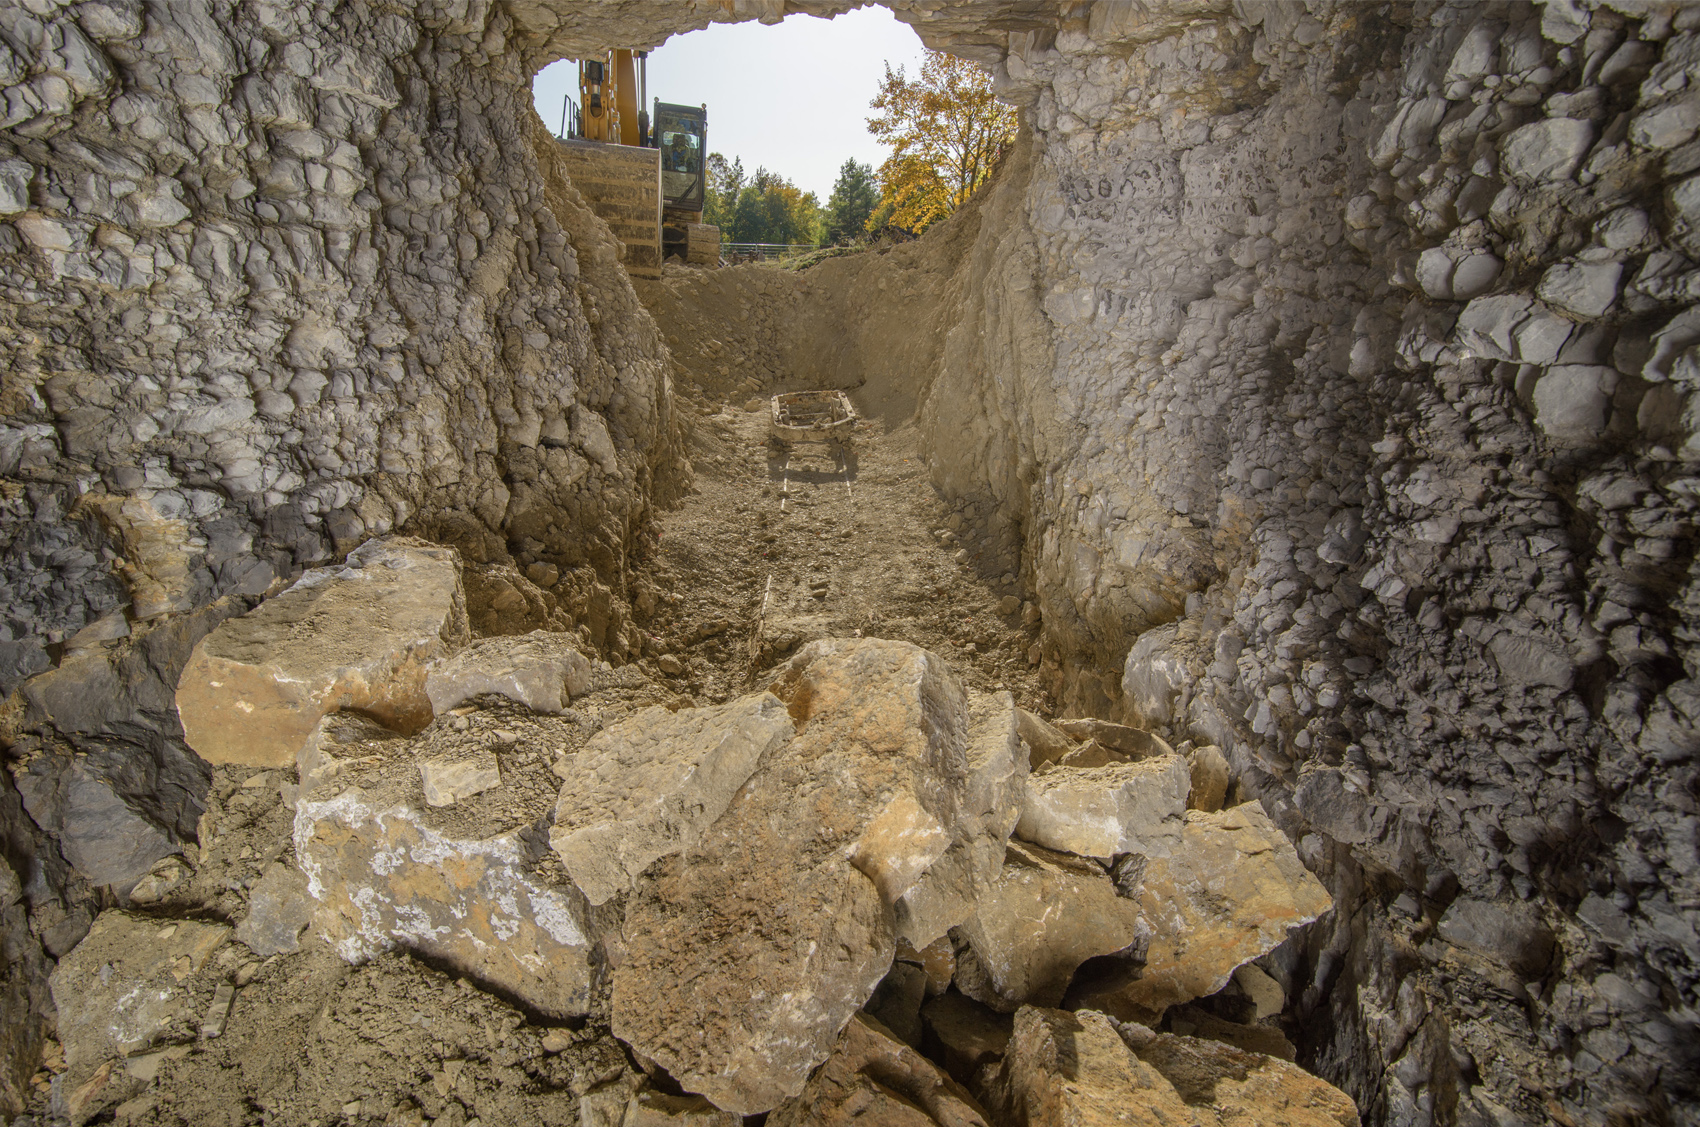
(775, 547)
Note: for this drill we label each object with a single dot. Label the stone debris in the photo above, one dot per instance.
(1103, 811)
(129, 983)
(540, 670)
(447, 781)
(359, 636)
(965, 1036)
(279, 910)
(1083, 1069)
(872, 1077)
(652, 784)
(386, 872)
(1048, 913)
(1229, 892)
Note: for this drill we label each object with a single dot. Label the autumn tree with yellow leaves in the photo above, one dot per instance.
(946, 132)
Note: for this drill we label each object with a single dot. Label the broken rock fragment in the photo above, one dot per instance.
(388, 871)
(1136, 807)
(650, 785)
(356, 636)
(540, 670)
(873, 1078)
(1080, 1069)
(1048, 913)
(279, 910)
(746, 954)
(130, 981)
(448, 779)
(1229, 892)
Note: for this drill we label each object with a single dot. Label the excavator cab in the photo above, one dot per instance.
(681, 133)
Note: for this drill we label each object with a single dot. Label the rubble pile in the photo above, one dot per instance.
(823, 897)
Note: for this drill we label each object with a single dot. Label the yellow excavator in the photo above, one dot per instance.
(645, 175)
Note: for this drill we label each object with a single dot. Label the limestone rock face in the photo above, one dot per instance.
(1048, 913)
(387, 874)
(650, 786)
(745, 955)
(359, 636)
(1102, 811)
(539, 670)
(1081, 1069)
(872, 1077)
(1230, 891)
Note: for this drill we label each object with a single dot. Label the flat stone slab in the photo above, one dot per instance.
(650, 785)
(356, 636)
(1136, 807)
(388, 872)
(540, 670)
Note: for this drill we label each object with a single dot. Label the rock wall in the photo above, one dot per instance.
(1326, 366)
(1324, 369)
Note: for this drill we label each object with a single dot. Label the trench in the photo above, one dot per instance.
(1313, 384)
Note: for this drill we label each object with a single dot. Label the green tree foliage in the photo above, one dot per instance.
(720, 194)
(946, 132)
(770, 209)
(853, 200)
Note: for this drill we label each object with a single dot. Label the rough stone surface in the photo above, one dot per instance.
(279, 909)
(1047, 914)
(872, 1077)
(539, 670)
(1232, 889)
(359, 636)
(447, 781)
(1102, 811)
(652, 784)
(387, 874)
(1064, 1068)
(129, 982)
(745, 955)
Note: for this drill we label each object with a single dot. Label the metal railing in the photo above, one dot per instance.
(766, 251)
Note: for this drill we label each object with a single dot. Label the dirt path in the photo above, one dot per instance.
(775, 548)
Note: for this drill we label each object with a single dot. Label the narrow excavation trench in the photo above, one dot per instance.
(1311, 394)
(776, 547)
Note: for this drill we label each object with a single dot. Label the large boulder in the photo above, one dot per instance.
(873, 1078)
(459, 886)
(361, 635)
(1229, 892)
(651, 784)
(745, 955)
(1136, 807)
(1048, 913)
(1081, 1070)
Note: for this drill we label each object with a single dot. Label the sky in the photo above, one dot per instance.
(793, 96)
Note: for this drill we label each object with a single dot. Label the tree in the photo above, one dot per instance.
(947, 133)
(853, 200)
(720, 194)
(770, 209)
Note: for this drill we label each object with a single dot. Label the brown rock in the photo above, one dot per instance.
(964, 1035)
(1117, 737)
(1228, 893)
(1078, 1069)
(872, 1079)
(540, 670)
(1044, 742)
(358, 636)
(1048, 913)
(746, 955)
(650, 785)
(1136, 807)
(1211, 777)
